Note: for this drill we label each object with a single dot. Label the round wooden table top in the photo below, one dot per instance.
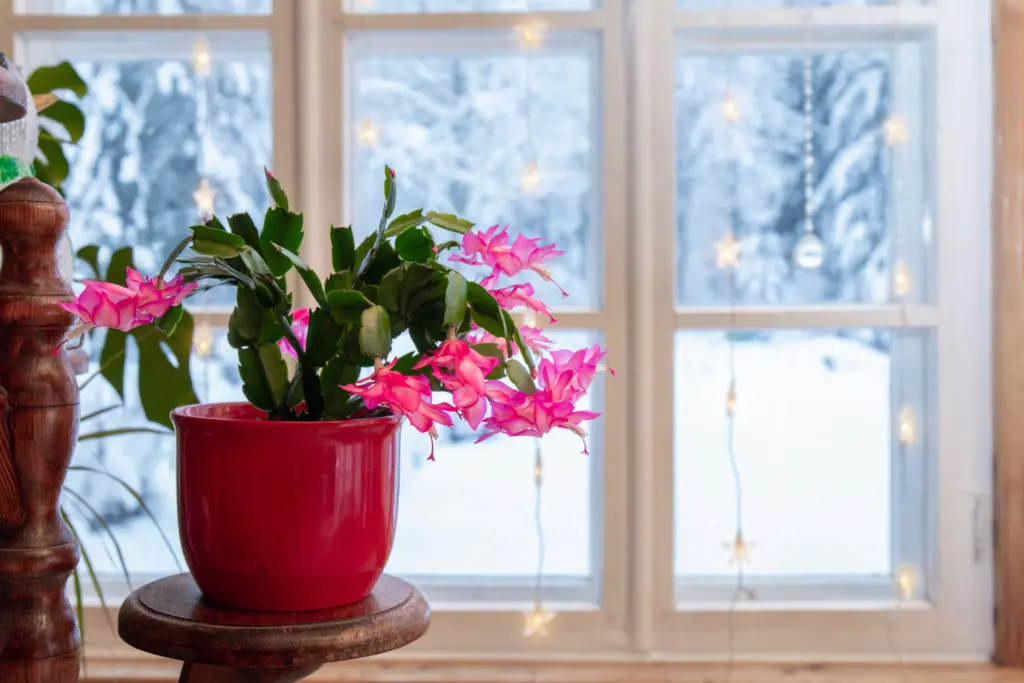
(170, 618)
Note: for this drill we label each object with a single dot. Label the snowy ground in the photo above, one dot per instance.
(812, 443)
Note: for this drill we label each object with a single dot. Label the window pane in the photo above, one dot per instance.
(94, 7)
(759, 4)
(428, 6)
(471, 512)
(869, 199)
(823, 474)
(145, 461)
(459, 130)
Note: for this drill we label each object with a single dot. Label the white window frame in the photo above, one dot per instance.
(637, 617)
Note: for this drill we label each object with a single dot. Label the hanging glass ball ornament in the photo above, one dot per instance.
(19, 125)
(809, 252)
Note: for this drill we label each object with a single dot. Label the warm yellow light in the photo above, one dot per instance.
(906, 426)
(902, 283)
(727, 252)
(201, 60)
(730, 399)
(204, 197)
(531, 36)
(906, 579)
(537, 621)
(895, 130)
(739, 550)
(368, 134)
(730, 110)
(203, 341)
(531, 179)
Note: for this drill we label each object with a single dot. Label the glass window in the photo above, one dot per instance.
(162, 7)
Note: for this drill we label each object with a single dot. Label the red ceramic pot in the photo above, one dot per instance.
(285, 516)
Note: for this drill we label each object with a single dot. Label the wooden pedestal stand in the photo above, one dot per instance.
(39, 640)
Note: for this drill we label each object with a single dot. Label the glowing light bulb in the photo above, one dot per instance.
(906, 579)
(204, 197)
(895, 130)
(907, 431)
(368, 134)
(809, 252)
(730, 400)
(531, 36)
(739, 550)
(730, 110)
(727, 252)
(537, 621)
(201, 60)
(203, 341)
(531, 179)
(902, 283)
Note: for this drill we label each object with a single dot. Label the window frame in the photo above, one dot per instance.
(638, 617)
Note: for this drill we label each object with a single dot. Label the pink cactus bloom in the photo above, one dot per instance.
(156, 297)
(300, 327)
(403, 395)
(462, 371)
(103, 304)
(580, 367)
(533, 337)
(491, 248)
(521, 295)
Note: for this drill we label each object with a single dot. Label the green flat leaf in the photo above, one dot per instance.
(450, 221)
(420, 282)
(390, 194)
(415, 245)
(485, 310)
(251, 324)
(89, 568)
(313, 283)
(56, 162)
(400, 224)
(112, 360)
(455, 300)
(175, 253)
(106, 528)
(264, 375)
(63, 76)
(343, 249)
(520, 376)
(218, 243)
(252, 260)
(322, 338)
(276, 191)
(375, 332)
(341, 281)
(390, 284)
(347, 305)
(383, 260)
(242, 225)
(336, 400)
(91, 255)
(420, 338)
(283, 229)
(164, 386)
(69, 116)
(169, 321)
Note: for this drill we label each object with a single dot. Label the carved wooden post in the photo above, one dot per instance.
(39, 639)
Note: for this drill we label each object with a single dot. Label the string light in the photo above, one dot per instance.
(809, 252)
(730, 110)
(906, 580)
(907, 430)
(902, 283)
(537, 621)
(730, 399)
(739, 550)
(368, 134)
(530, 36)
(204, 196)
(895, 130)
(727, 251)
(530, 181)
(203, 341)
(201, 59)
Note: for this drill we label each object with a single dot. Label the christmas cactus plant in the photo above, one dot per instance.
(396, 281)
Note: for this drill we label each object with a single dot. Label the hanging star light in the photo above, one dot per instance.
(203, 342)
(537, 621)
(368, 134)
(902, 283)
(531, 179)
(730, 399)
(730, 109)
(906, 579)
(727, 251)
(895, 130)
(739, 550)
(530, 36)
(204, 196)
(201, 60)
(907, 431)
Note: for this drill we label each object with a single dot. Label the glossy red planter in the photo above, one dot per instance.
(285, 516)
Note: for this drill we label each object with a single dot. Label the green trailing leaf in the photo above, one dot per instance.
(283, 229)
(400, 224)
(106, 528)
(520, 376)
(322, 337)
(175, 253)
(375, 332)
(415, 245)
(168, 322)
(455, 300)
(264, 375)
(217, 243)
(390, 196)
(485, 310)
(276, 191)
(138, 501)
(450, 221)
(69, 116)
(308, 276)
(96, 413)
(88, 567)
(123, 431)
(347, 305)
(91, 255)
(390, 285)
(420, 282)
(242, 225)
(343, 249)
(47, 79)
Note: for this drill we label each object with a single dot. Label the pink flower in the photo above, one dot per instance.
(562, 381)
(520, 295)
(156, 297)
(491, 248)
(404, 395)
(103, 304)
(300, 327)
(533, 337)
(463, 372)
